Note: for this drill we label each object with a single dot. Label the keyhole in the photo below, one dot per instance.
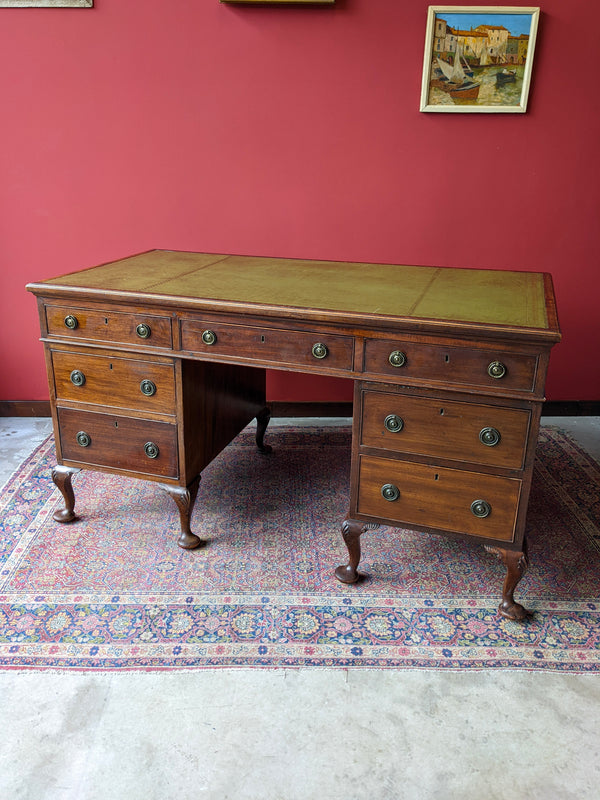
(446, 358)
(441, 412)
(116, 424)
(262, 338)
(436, 477)
(106, 320)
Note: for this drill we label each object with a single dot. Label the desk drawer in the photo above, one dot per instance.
(69, 322)
(114, 382)
(434, 497)
(469, 432)
(493, 369)
(268, 345)
(135, 445)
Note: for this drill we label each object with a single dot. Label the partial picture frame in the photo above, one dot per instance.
(46, 3)
(478, 58)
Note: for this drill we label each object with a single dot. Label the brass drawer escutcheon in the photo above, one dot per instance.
(489, 436)
(390, 492)
(496, 370)
(393, 423)
(151, 450)
(143, 331)
(319, 350)
(148, 388)
(77, 377)
(481, 508)
(397, 358)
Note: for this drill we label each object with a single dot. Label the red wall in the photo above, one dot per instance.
(290, 131)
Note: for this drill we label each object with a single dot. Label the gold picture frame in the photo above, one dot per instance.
(478, 58)
(46, 3)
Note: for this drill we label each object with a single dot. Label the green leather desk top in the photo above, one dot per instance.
(480, 297)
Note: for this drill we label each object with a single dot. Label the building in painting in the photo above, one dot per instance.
(481, 46)
(497, 40)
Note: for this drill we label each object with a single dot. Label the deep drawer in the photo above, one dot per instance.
(268, 345)
(114, 382)
(109, 326)
(125, 443)
(434, 497)
(468, 432)
(496, 370)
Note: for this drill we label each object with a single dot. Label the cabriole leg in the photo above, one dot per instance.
(516, 562)
(185, 499)
(62, 478)
(262, 420)
(351, 531)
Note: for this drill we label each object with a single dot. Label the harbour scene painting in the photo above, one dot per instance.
(478, 58)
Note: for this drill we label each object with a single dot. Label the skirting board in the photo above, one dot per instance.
(552, 408)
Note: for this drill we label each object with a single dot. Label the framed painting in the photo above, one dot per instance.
(478, 59)
(46, 3)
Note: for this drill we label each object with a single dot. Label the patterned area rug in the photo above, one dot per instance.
(113, 591)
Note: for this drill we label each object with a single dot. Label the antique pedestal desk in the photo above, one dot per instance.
(155, 362)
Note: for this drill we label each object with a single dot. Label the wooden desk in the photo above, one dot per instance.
(157, 361)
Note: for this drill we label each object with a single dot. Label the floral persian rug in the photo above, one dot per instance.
(113, 591)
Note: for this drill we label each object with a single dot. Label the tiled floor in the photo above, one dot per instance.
(297, 734)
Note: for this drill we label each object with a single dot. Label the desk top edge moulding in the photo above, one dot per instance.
(498, 300)
(155, 362)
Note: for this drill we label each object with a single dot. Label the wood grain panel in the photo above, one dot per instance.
(114, 382)
(445, 428)
(108, 326)
(438, 498)
(118, 442)
(268, 345)
(440, 364)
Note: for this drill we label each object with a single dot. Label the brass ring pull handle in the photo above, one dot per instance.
(393, 423)
(83, 439)
(496, 369)
(77, 378)
(319, 350)
(151, 450)
(143, 331)
(148, 388)
(397, 358)
(390, 492)
(481, 508)
(489, 436)
(209, 337)
(71, 322)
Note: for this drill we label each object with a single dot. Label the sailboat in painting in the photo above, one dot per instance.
(454, 81)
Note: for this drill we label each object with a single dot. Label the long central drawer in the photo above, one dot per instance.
(268, 345)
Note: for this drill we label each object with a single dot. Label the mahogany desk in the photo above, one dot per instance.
(157, 361)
